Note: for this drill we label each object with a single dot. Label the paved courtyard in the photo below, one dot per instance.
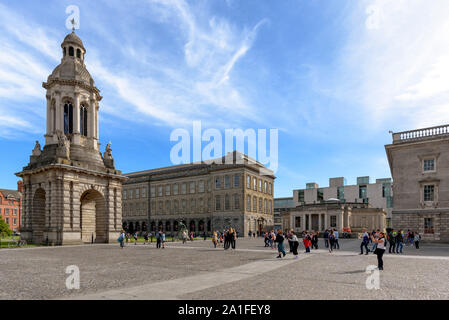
(196, 270)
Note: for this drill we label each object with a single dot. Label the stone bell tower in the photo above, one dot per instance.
(72, 193)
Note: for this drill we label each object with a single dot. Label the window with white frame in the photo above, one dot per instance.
(192, 187)
(248, 182)
(175, 189)
(159, 191)
(236, 181)
(167, 190)
(201, 186)
(429, 165)
(429, 192)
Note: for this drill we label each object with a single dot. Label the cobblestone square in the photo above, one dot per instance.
(197, 271)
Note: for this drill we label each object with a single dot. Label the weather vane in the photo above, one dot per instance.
(73, 24)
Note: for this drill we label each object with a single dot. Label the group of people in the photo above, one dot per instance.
(394, 239)
(228, 238)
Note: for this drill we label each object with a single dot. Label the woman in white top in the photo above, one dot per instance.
(295, 244)
(380, 250)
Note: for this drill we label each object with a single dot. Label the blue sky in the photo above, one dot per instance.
(334, 76)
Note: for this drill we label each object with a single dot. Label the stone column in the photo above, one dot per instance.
(49, 121)
(76, 116)
(91, 119)
(340, 222)
(319, 222)
(59, 113)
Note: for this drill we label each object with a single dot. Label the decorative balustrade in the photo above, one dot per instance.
(420, 133)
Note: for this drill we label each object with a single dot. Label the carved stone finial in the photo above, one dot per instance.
(37, 149)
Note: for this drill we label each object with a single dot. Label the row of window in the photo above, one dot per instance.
(72, 52)
(68, 118)
(181, 206)
(7, 211)
(14, 221)
(9, 202)
(259, 185)
(259, 205)
(386, 193)
(298, 222)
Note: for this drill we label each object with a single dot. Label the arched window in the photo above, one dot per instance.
(78, 53)
(83, 120)
(71, 51)
(68, 117)
(65, 51)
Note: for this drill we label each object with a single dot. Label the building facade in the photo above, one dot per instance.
(282, 206)
(204, 196)
(11, 206)
(71, 192)
(377, 195)
(419, 164)
(336, 215)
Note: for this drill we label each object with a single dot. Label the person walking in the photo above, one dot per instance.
(365, 241)
(295, 244)
(289, 239)
(121, 239)
(145, 238)
(380, 250)
(331, 240)
(135, 237)
(374, 244)
(399, 241)
(265, 239)
(416, 239)
(280, 240)
(326, 238)
(336, 244)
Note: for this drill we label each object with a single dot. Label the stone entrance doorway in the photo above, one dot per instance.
(93, 218)
(38, 217)
(315, 222)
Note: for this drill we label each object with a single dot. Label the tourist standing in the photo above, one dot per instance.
(399, 241)
(365, 241)
(215, 239)
(326, 238)
(307, 242)
(158, 239)
(145, 238)
(135, 238)
(163, 239)
(315, 240)
(417, 238)
(295, 244)
(380, 250)
(121, 239)
(336, 244)
(280, 240)
(232, 238)
(331, 240)
(391, 241)
(273, 240)
(265, 239)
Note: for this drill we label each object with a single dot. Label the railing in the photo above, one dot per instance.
(420, 133)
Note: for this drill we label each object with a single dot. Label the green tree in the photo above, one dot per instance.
(4, 228)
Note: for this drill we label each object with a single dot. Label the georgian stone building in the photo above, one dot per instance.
(334, 214)
(419, 164)
(205, 196)
(71, 193)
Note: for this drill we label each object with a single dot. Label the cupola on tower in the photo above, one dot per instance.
(72, 193)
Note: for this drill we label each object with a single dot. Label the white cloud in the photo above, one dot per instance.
(395, 64)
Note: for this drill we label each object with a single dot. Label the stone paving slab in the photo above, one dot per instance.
(196, 270)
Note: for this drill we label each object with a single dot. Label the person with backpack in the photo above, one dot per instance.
(380, 250)
(135, 238)
(280, 240)
(232, 237)
(315, 240)
(163, 239)
(365, 241)
(145, 238)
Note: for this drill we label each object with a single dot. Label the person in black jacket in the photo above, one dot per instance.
(280, 241)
